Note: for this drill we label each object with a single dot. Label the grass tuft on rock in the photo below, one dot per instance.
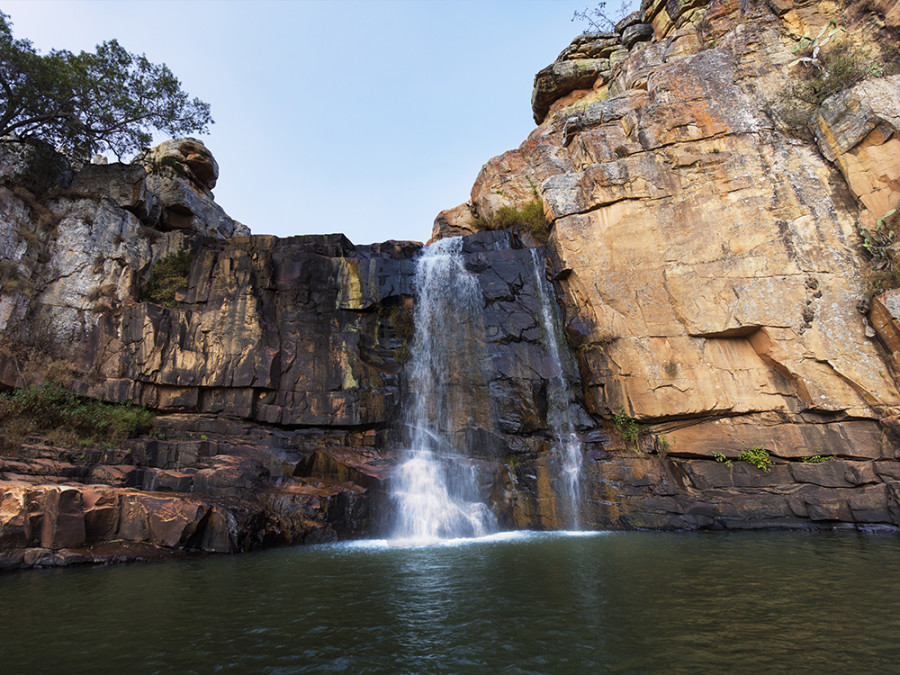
(838, 68)
(68, 419)
(525, 219)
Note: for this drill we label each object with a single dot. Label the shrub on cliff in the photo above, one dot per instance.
(91, 101)
(526, 219)
(879, 245)
(67, 418)
(600, 20)
(168, 275)
(820, 70)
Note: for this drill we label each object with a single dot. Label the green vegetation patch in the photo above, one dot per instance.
(69, 419)
(525, 219)
(883, 272)
(819, 71)
(758, 456)
(663, 446)
(722, 459)
(168, 275)
(529, 219)
(817, 459)
(628, 429)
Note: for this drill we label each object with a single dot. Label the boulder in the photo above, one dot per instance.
(638, 32)
(632, 19)
(187, 157)
(458, 221)
(884, 315)
(181, 175)
(561, 78)
(857, 130)
(63, 518)
(15, 523)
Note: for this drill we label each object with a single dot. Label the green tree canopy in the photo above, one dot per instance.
(90, 102)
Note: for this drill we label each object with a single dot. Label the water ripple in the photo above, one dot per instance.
(511, 603)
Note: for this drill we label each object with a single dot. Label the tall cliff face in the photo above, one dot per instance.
(712, 279)
(276, 367)
(710, 263)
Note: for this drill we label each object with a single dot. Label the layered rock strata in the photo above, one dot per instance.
(277, 369)
(282, 356)
(711, 266)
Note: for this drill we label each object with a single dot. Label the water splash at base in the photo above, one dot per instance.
(435, 488)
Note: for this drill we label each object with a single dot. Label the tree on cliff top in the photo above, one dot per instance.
(88, 102)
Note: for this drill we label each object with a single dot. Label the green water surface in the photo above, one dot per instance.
(527, 603)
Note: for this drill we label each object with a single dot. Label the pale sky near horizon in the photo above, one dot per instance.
(366, 117)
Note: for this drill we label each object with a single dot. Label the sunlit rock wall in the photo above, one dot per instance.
(715, 284)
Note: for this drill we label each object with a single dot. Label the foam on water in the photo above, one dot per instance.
(509, 536)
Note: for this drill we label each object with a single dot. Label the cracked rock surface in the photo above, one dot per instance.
(710, 264)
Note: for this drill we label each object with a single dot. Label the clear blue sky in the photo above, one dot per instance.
(365, 117)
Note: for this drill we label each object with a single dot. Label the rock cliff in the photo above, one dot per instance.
(717, 303)
(711, 265)
(250, 361)
(275, 366)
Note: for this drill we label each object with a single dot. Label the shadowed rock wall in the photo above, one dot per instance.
(277, 367)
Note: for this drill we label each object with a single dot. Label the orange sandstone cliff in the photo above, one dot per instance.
(710, 261)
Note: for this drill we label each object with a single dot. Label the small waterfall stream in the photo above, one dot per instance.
(435, 488)
(559, 415)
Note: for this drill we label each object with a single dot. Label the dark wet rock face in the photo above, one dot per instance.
(300, 331)
(277, 367)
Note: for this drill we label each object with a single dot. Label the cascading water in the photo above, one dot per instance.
(559, 414)
(434, 489)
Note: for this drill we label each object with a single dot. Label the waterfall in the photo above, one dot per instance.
(435, 489)
(559, 416)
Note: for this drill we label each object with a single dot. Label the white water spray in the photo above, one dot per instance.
(559, 415)
(435, 488)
